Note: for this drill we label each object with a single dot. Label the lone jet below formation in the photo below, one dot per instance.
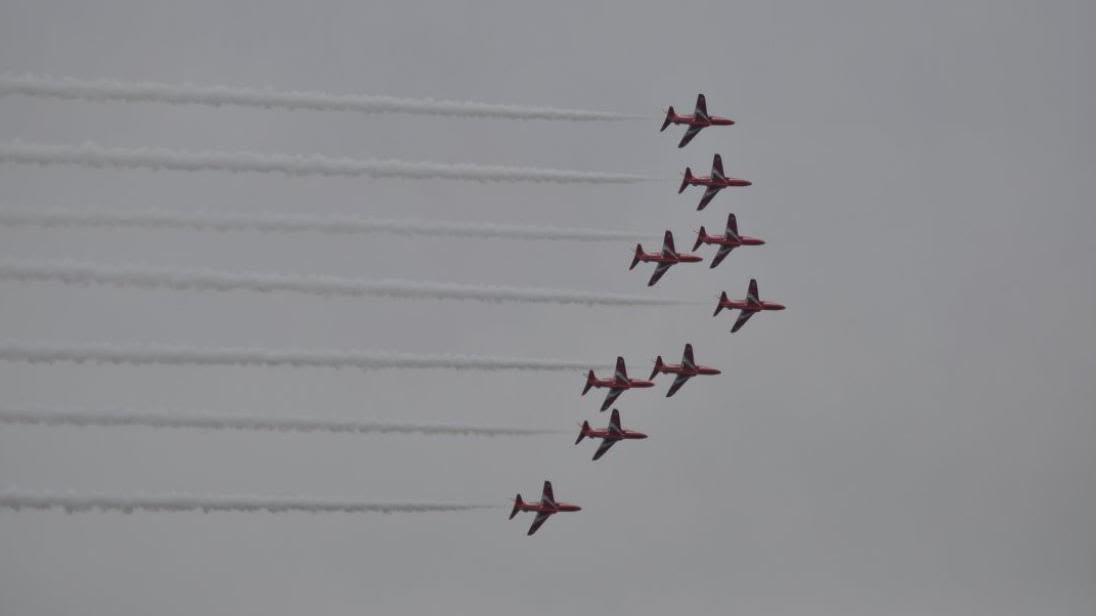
(716, 182)
(748, 306)
(686, 370)
(609, 436)
(697, 121)
(545, 508)
(726, 242)
(617, 385)
(665, 259)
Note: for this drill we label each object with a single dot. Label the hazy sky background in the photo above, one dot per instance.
(912, 436)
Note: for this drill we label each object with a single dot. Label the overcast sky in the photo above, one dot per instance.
(912, 436)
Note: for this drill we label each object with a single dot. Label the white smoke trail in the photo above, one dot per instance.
(93, 155)
(283, 223)
(67, 88)
(210, 421)
(365, 360)
(83, 503)
(67, 272)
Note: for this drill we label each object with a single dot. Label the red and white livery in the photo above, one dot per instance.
(665, 259)
(726, 242)
(749, 306)
(715, 182)
(610, 436)
(687, 369)
(548, 506)
(696, 122)
(616, 385)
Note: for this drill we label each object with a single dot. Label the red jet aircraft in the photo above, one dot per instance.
(665, 259)
(609, 436)
(545, 508)
(697, 121)
(616, 385)
(716, 182)
(686, 370)
(727, 242)
(749, 306)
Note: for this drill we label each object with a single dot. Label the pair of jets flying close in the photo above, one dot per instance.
(620, 382)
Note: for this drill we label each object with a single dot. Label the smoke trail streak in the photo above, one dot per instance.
(67, 88)
(283, 223)
(365, 360)
(67, 272)
(93, 155)
(210, 421)
(84, 503)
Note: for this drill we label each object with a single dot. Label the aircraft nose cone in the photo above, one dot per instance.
(747, 183)
(577, 508)
(641, 435)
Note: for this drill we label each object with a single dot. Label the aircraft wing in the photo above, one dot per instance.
(546, 495)
(709, 194)
(742, 318)
(732, 226)
(603, 447)
(678, 382)
(539, 521)
(660, 270)
(691, 132)
(717, 167)
(668, 244)
(687, 356)
(621, 372)
(610, 398)
(701, 107)
(752, 295)
(721, 254)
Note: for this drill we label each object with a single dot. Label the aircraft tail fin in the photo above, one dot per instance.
(657, 369)
(583, 432)
(637, 257)
(685, 181)
(517, 506)
(589, 382)
(722, 299)
(669, 118)
(701, 235)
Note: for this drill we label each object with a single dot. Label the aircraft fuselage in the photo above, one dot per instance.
(609, 435)
(693, 120)
(687, 371)
(723, 240)
(543, 507)
(741, 304)
(658, 257)
(621, 384)
(707, 180)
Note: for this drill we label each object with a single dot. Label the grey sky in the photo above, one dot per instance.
(912, 436)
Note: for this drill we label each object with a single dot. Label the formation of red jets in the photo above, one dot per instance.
(664, 259)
